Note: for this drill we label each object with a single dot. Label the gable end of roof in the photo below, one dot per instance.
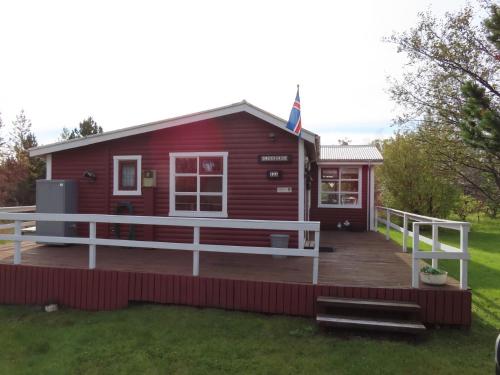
(243, 106)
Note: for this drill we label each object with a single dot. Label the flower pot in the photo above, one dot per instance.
(430, 279)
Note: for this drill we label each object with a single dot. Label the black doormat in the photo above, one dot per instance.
(326, 249)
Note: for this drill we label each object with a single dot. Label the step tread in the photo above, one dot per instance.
(352, 321)
(368, 303)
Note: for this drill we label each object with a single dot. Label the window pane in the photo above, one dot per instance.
(128, 175)
(349, 199)
(329, 173)
(350, 173)
(329, 198)
(185, 202)
(349, 186)
(211, 165)
(210, 203)
(211, 184)
(329, 186)
(185, 165)
(185, 184)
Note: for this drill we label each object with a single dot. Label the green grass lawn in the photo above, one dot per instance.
(153, 339)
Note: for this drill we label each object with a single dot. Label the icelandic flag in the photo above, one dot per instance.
(294, 122)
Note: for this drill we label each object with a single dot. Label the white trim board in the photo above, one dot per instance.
(116, 164)
(169, 123)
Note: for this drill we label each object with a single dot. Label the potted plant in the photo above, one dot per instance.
(433, 276)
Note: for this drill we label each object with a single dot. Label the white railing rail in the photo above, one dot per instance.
(17, 209)
(196, 223)
(439, 250)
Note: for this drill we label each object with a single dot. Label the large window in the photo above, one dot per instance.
(339, 187)
(127, 175)
(198, 184)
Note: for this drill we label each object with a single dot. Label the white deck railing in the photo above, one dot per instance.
(196, 223)
(17, 209)
(439, 250)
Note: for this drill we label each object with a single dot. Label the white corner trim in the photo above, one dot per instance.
(116, 160)
(48, 167)
(373, 224)
(172, 210)
(301, 194)
(360, 188)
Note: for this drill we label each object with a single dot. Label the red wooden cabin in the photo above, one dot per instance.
(236, 162)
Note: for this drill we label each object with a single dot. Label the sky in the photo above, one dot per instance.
(127, 63)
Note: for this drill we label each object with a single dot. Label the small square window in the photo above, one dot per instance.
(127, 175)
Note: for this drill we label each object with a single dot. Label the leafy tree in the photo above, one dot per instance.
(465, 206)
(65, 134)
(480, 122)
(2, 140)
(408, 181)
(85, 128)
(449, 93)
(492, 25)
(19, 172)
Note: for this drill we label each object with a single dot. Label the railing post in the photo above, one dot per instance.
(387, 224)
(92, 246)
(405, 233)
(196, 253)
(316, 258)
(464, 240)
(375, 218)
(435, 243)
(17, 243)
(415, 261)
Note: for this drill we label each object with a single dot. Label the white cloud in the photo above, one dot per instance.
(128, 63)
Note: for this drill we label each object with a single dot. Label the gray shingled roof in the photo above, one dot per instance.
(350, 153)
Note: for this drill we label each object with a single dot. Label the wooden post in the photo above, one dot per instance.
(435, 243)
(405, 233)
(92, 246)
(17, 243)
(316, 258)
(415, 261)
(196, 253)
(375, 219)
(464, 240)
(388, 225)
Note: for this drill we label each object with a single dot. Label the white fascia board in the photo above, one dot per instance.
(358, 162)
(176, 121)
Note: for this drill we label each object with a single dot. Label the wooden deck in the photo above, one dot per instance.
(359, 259)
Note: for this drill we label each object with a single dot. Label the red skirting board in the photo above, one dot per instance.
(110, 290)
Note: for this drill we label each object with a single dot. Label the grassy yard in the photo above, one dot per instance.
(154, 339)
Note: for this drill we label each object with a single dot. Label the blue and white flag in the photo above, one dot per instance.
(294, 122)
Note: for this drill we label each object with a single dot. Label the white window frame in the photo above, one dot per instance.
(360, 187)
(172, 175)
(116, 174)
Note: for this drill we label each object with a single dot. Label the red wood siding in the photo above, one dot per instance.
(250, 194)
(109, 290)
(329, 217)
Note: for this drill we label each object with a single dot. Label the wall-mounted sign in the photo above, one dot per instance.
(275, 158)
(283, 189)
(274, 175)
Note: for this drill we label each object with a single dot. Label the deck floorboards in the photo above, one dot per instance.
(359, 259)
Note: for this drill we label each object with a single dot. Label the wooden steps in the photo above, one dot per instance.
(369, 314)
